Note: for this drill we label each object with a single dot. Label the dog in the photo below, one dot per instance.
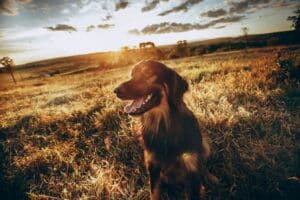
(174, 149)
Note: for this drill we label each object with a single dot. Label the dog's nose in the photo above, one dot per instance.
(117, 90)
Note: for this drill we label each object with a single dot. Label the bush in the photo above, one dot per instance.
(273, 41)
(288, 70)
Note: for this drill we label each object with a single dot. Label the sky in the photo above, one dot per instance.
(33, 30)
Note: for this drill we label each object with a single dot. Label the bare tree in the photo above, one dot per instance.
(8, 63)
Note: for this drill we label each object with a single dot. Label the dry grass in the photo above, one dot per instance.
(65, 137)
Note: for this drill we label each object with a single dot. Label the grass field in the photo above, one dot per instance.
(66, 137)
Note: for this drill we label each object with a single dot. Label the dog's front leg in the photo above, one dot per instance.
(192, 187)
(154, 172)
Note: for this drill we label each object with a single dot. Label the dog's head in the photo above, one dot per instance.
(151, 82)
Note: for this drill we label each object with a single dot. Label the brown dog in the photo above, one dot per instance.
(174, 149)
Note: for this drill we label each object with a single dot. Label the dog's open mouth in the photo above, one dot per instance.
(141, 105)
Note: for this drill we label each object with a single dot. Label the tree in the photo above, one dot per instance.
(295, 20)
(8, 63)
(245, 31)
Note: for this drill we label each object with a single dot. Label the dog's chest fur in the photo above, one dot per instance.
(168, 141)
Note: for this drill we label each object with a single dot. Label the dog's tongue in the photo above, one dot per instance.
(129, 108)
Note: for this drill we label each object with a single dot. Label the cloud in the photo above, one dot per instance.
(134, 32)
(107, 18)
(229, 19)
(281, 4)
(167, 27)
(10, 7)
(90, 28)
(121, 5)
(89, 6)
(105, 26)
(151, 5)
(100, 26)
(41, 7)
(214, 13)
(65, 11)
(246, 5)
(252, 5)
(181, 7)
(62, 27)
(220, 27)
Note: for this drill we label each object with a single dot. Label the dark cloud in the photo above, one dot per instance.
(229, 19)
(105, 26)
(10, 7)
(167, 27)
(151, 5)
(62, 27)
(121, 5)
(281, 4)
(90, 28)
(250, 6)
(246, 5)
(214, 13)
(181, 7)
(134, 32)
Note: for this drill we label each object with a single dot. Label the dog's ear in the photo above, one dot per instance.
(177, 86)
